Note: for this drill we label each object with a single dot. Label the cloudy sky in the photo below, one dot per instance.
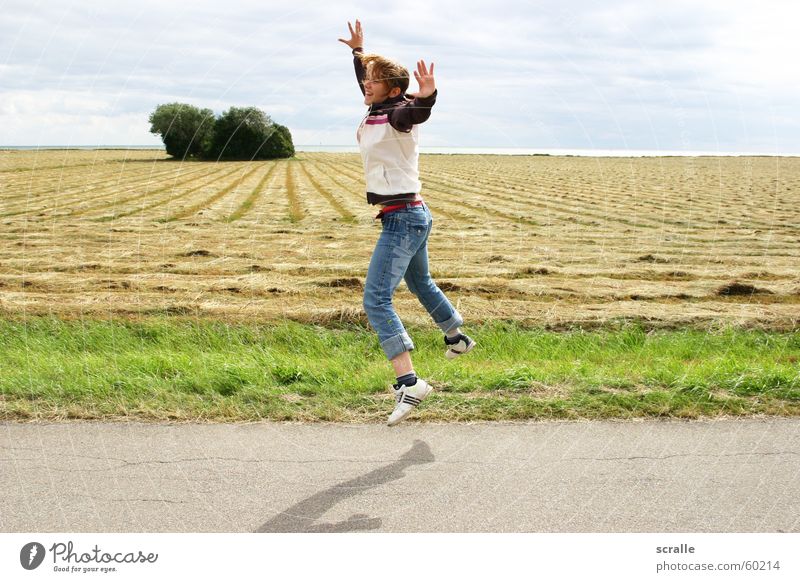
(614, 74)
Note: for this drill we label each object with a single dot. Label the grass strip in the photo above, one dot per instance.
(169, 368)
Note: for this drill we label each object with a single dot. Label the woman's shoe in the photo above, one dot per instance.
(458, 346)
(407, 397)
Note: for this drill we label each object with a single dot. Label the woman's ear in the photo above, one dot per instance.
(395, 91)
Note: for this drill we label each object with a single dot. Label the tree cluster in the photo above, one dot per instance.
(240, 133)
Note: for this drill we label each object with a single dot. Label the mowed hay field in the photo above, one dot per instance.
(552, 241)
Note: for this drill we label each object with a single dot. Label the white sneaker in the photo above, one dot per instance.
(407, 398)
(462, 346)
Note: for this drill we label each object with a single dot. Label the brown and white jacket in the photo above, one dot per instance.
(388, 138)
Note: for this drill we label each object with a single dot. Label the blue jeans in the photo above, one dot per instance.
(402, 253)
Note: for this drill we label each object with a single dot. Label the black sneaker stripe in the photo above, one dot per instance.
(411, 400)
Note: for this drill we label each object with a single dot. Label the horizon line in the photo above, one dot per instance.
(532, 150)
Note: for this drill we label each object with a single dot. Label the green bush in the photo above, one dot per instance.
(279, 144)
(240, 133)
(245, 133)
(186, 130)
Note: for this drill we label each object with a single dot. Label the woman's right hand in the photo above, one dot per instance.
(356, 36)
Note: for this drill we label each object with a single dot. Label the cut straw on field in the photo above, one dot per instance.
(296, 211)
(255, 194)
(554, 241)
(346, 215)
(194, 208)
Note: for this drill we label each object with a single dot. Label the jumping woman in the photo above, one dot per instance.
(388, 139)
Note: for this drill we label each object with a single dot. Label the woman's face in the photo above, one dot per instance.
(377, 91)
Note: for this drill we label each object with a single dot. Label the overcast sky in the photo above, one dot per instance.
(612, 74)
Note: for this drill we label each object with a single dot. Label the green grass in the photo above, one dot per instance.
(181, 369)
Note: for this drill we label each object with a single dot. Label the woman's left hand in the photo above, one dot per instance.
(427, 85)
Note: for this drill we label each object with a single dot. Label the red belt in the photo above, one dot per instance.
(387, 209)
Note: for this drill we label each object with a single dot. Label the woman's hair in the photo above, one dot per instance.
(378, 67)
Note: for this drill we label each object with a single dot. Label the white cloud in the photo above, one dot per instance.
(32, 103)
(613, 74)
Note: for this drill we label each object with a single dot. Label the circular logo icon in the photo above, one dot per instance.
(31, 555)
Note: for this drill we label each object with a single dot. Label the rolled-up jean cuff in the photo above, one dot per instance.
(452, 322)
(396, 345)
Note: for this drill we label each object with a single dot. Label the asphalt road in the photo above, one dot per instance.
(634, 476)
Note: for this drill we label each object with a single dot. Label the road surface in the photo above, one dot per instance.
(591, 476)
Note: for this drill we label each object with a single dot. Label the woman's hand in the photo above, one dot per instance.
(425, 79)
(356, 36)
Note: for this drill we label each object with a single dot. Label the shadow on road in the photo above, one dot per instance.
(301, 517)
